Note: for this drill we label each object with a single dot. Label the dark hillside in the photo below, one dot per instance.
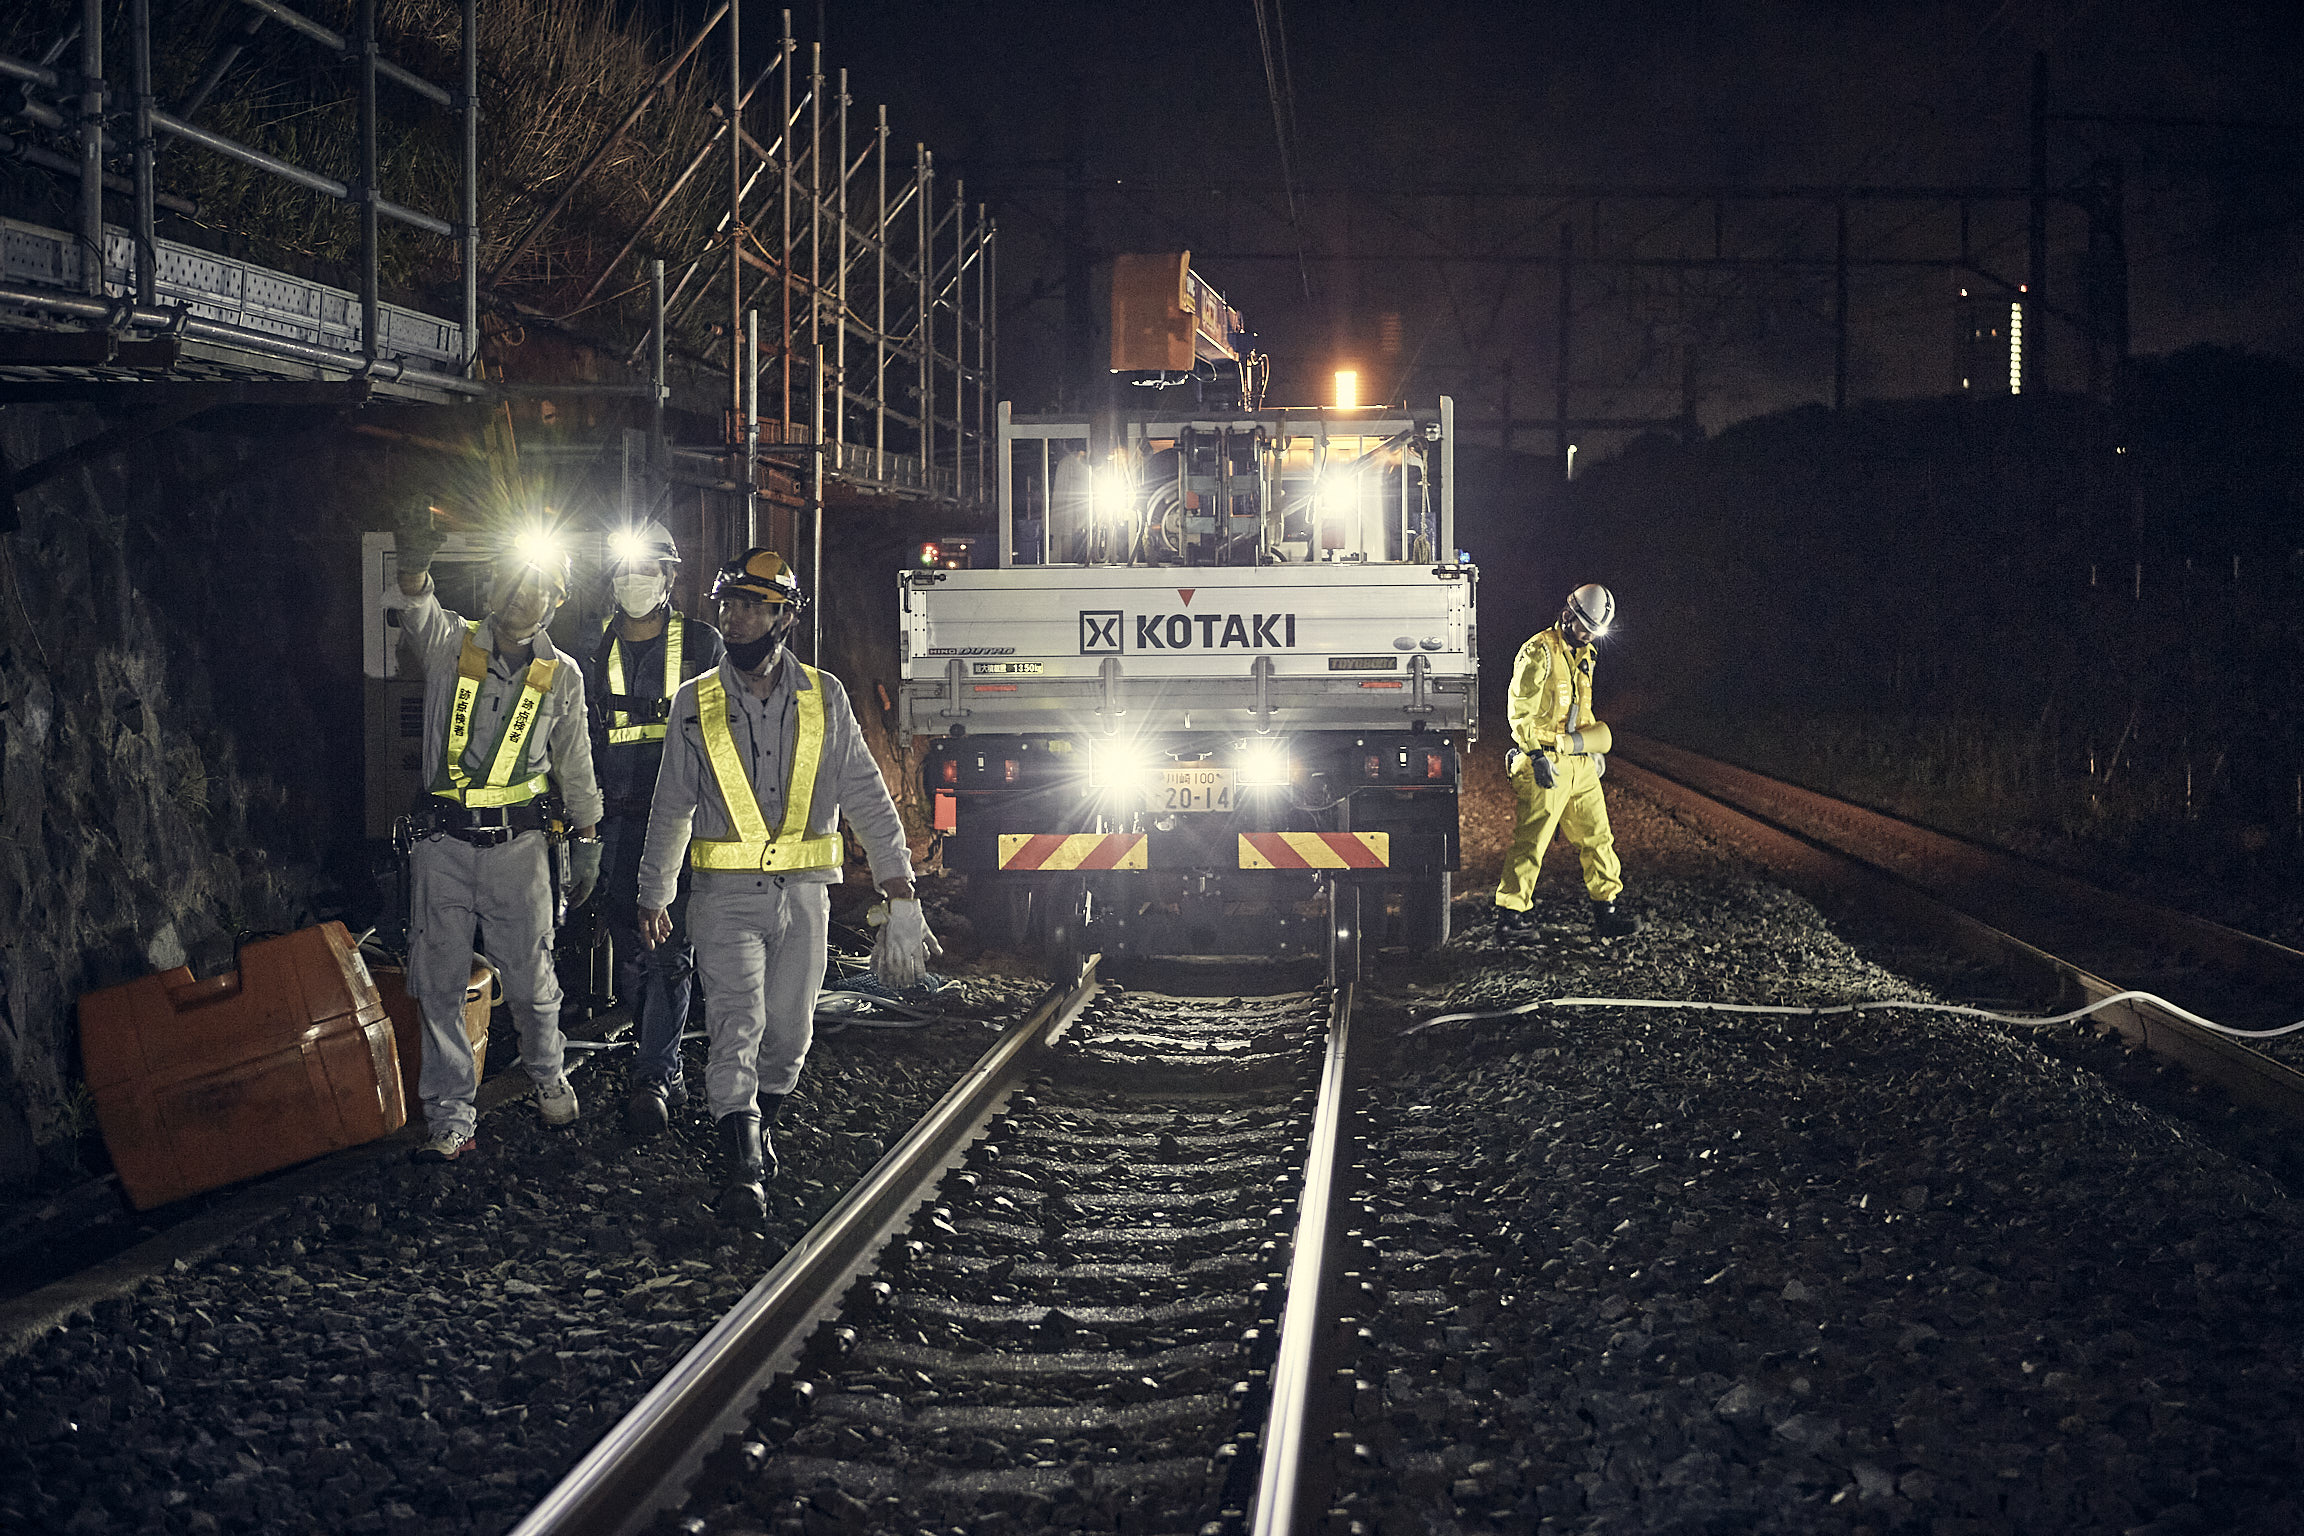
(2074, 630)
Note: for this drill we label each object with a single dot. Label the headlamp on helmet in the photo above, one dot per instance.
(643, 545)
(1591, 608)
(759, 576)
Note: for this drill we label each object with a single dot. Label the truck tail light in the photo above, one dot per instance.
(1374, 766)
(1010, 770)
(947, 811)
(1432, 767)
(949, 770)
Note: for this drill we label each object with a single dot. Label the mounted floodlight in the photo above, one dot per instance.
(1118, 767)
(1109, 493)
(1347, 389)
(1262, 763)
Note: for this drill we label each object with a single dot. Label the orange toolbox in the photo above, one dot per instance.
(408, 1025)
(204, 1083)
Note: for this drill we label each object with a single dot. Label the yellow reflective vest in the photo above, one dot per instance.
(753, 848)
(495, 788)
(622, 728)
(1552, 695)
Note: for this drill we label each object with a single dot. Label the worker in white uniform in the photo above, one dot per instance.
(503, 722)
(762, 758)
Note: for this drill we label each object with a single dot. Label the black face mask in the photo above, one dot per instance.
(748, 654)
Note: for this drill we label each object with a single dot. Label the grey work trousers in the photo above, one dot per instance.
(761, 943)
(507, 890)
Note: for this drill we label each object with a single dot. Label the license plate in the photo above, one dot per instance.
(1195, 789)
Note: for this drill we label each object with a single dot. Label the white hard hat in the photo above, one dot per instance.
(643, 543)
(1593, 606)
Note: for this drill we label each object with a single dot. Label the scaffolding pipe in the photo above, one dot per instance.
(65, 165)
(226, 57)
(736, 402)
(30, 74)
(327, 186)
(880, 313)
(751, 428)
(92, 147)
(815, 244)
(147, 243)
(840, 296)
(784, 249)
(468, 110)
(655, 361)
(335, 41)
(816, 521)
(371, 304)
(924, 334)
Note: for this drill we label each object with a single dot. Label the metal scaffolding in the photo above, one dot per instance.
(876, 296)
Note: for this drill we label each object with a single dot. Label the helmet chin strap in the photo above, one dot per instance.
(758, 655)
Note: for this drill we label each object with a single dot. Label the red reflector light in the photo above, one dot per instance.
(949, 770)
(947, 812)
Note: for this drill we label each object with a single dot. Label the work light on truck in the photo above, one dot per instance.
(1118, 767)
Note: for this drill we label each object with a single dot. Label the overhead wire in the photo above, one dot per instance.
(1280, 89)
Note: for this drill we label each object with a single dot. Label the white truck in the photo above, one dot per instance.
(1209, 695)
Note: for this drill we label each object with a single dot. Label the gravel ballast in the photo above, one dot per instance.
(1665, 1271)
(1641, 1270)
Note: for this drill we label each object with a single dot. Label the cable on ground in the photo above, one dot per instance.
(2036, 1021)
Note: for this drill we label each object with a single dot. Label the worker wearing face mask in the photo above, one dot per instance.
(762, 758)
(503, 724)
(648, 651)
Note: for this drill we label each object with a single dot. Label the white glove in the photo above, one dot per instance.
(1599, 765)
(901, 953)
(1513, 758)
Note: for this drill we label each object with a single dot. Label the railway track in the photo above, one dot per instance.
(1086, 1291)
(2081, 943)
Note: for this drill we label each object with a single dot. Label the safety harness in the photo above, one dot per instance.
(752, 848)
(642, 719)
(496, 788)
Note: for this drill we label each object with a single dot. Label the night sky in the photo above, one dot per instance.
(1169, 105)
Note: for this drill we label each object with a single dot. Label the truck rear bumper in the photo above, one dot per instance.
(1213, 848)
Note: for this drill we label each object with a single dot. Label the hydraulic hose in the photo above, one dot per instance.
(2036, 1021)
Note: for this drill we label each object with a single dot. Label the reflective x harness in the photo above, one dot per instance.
(752, 848)
(497, 788)
(625, 723)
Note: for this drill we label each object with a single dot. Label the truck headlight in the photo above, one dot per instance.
(1261, 764)
(1117, 767)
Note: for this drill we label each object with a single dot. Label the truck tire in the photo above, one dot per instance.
(1002, 909)
(1424, 910)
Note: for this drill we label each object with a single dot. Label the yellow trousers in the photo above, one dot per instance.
(1572, 805)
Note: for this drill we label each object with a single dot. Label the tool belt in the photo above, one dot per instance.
(490, 828)
(639, 709)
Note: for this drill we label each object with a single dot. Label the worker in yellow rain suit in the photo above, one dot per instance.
(1557, 756)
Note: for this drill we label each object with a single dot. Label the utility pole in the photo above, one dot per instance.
(2036, 277)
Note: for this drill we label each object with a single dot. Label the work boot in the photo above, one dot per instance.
(556, 1101)
(649, 1110)
(1514, 927)
(1609, 923)
(744, 1203)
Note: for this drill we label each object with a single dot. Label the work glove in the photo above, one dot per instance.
(1599, 765)
(415, 540)
(1540, 769)
(584, 866)
(901, 953)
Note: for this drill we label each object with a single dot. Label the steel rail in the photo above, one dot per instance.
(1816, 862)
(655, 1449)
(1280, 1508)
(1834, 820)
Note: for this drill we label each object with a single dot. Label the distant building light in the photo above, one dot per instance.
(1347, 388)
(2015, 349)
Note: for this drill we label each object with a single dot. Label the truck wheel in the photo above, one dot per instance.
(1424, 910)
(1003, 912)
(1343, 932)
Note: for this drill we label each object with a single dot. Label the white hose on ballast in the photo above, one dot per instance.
(2034, 1020)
